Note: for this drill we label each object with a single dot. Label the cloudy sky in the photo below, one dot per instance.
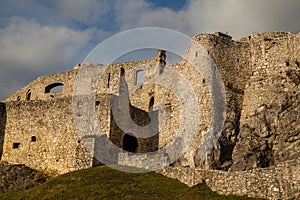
(42, 37)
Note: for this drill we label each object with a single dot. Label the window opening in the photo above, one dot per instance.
(16, 145)
(139, 76)
(33, 138)
(151, 103)
(28, 95)
(108, 80)
(55, 87)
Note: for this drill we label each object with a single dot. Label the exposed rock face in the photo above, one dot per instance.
(261, 78)
(270, 115)
(270, 135)
(18, 177)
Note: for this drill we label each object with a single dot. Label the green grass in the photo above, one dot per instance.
(105, 183)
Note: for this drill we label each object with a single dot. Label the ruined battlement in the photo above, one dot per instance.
(43, 88)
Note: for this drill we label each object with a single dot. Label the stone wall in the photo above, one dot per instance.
(109, 82)
(42, 135)
(126, 123)
(232, 59)
(2, 126)
(146, 162)
(277, 182)
(36, 90)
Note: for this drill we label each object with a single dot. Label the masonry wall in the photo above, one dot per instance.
(278, 182)
(36, 90)
(233, 61)
(42, 135)
(103, 112)
(2, 126)
(40, 130)
(109, 82)
(142, 93)
(142, 119)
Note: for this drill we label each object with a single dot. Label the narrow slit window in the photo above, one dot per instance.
(151, 103)
(122, 72)
(28, 95)
(108, 80)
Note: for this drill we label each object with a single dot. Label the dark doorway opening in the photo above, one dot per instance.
(130, 143)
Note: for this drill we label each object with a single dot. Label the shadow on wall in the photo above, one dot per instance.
(132, 120)
(2, 126)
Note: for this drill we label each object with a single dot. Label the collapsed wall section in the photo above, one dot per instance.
(137, 73)
(47, 87)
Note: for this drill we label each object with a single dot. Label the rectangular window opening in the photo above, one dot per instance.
(139, 76)
(33, 138)
(16, 145)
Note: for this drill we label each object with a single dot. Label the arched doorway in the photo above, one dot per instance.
(130, 143)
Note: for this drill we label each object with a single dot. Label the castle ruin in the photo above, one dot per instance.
(257, 154)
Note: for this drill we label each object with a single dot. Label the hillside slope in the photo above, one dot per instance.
(105, 183)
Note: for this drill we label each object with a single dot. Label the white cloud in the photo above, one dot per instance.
(87, 11)
(29, 48)
(27, 43)
(237, 17)
(139, 13)
(241, 18)
(128, 12)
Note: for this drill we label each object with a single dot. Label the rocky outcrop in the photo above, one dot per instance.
(269, 125)
(19, 177)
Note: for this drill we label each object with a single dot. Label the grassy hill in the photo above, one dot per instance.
(105, 183)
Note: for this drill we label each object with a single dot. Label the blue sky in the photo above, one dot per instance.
(41, 37)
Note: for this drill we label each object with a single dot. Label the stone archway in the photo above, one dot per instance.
(130, 143)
